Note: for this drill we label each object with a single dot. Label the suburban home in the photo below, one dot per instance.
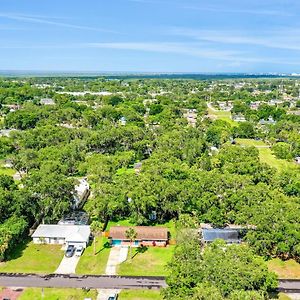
(231, 234)
(77, 235)
(47, 101)
(146, 236)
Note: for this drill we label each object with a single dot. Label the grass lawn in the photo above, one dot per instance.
(7, 171)
(94, 264)
(125, 171)
(266, 155)
(57, 294)
(285, 269)
(222, 115)
(32, 258)
(124, 222)
(152, 262)
(140, 295)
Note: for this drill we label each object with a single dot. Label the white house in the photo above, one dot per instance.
(77, 235)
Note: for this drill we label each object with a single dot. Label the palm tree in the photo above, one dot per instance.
(130, 234)
(96, 229)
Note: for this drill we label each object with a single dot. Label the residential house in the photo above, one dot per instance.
(47, 101)
(146, 236)
(238, 118)
(77, 235)
(270, 121)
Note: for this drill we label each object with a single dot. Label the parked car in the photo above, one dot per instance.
(79, 251)
(70, 251)
(113, 297)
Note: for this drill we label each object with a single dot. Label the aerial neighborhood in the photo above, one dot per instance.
(190, 184)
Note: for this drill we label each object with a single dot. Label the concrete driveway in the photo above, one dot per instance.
(68, 265)
(104, 294)
(116, 256)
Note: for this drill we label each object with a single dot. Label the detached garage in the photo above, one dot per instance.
(77, 235)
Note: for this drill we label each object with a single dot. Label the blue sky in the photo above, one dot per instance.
(150, 35)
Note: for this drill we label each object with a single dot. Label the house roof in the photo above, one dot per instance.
(143, 232)
(74, 233)
(228, 235)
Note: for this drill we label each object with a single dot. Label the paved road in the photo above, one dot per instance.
(106, 282)
(289, 285)
(73, 281)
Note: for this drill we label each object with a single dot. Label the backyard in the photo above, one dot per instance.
(94, 264)
(31, 258)
(148, 261)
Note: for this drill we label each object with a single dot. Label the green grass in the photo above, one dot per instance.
(7, 171)
(57, 294)
(285, 269)
(94, 264)
(31, 258)
(140, 295)
(266, 155)
(282, 296)
(125, 171)
(124, 222)
(222, 115)
(150, 263)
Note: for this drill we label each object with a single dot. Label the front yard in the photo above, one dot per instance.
(55, 294)
(32, 258)
(140, 295)
(94, 264)
(151, 261)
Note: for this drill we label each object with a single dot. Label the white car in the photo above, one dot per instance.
(79, 250)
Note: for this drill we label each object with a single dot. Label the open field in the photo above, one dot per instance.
(285, 269)
(32, 258)
(140, 295)
(221, 115)
(57, 294)
(266, 155)
(150, 262)
(94, 264)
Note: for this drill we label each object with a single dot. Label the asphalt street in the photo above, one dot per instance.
(72, 281)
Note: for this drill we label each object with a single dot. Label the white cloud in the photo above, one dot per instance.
(49, 21)
(281, 39)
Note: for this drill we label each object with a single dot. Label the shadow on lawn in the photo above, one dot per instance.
(139, 250)
(17, 251)
(105, 246)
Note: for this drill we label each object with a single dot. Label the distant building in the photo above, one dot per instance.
(254, 105)
(146, 236)
(137, 167)
(270, 121)
(47, 101)
(238, 118)
(123, 121)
